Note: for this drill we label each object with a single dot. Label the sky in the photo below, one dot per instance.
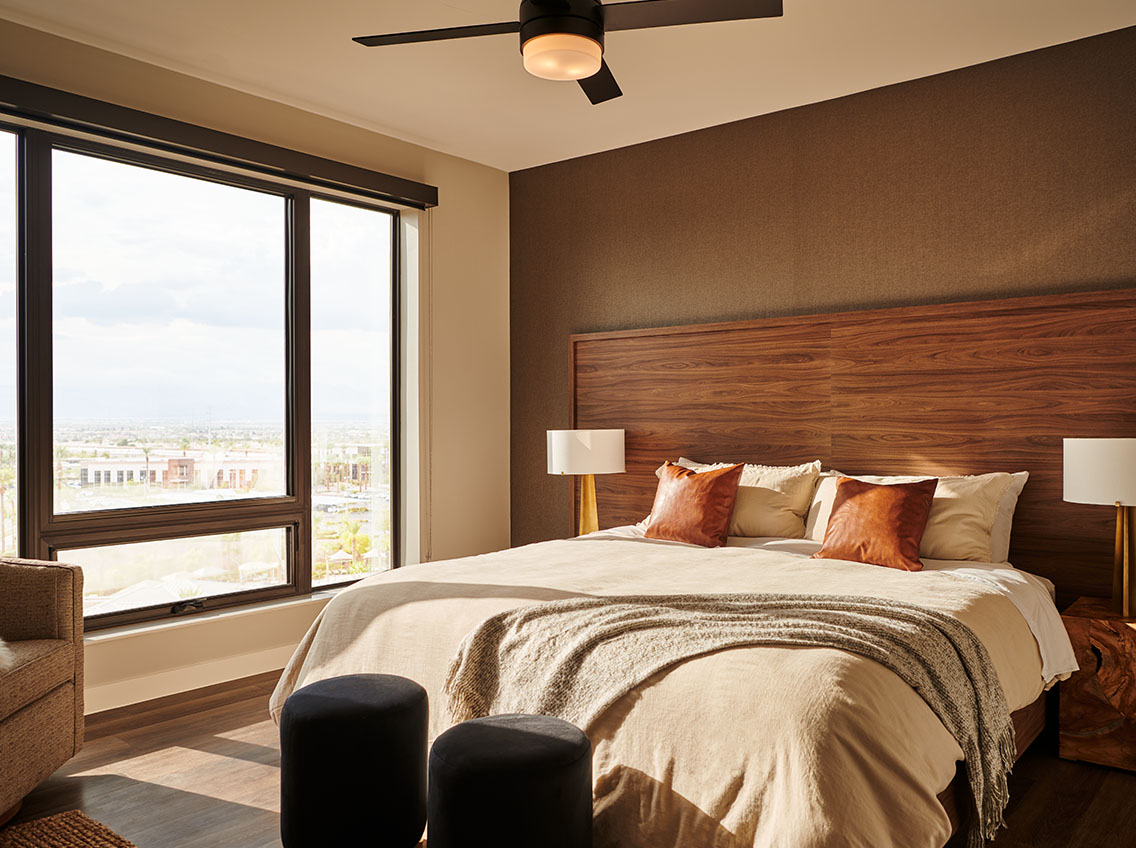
(168, 298)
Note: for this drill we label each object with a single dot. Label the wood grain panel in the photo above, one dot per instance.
(939, 389)
(751, 396)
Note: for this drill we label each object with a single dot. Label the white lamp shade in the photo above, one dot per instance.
(585, 451)
(1100, 471)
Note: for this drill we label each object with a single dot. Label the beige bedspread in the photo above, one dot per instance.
(762, 746)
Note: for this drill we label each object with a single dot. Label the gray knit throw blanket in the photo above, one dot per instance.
(575, 658)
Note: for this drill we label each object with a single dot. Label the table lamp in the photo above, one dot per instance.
(1103, 471)
(586, 453)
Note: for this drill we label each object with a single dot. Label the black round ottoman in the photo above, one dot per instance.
(353, 763)
(511, 781)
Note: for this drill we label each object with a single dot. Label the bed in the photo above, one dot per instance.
(756, 746)
(789, 746)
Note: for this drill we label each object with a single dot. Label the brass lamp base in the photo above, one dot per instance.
(1123, 561)
(589, 519)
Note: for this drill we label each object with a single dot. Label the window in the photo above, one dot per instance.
(8, 521)
(351, 390)
(174, 287)
(208, 408)
(147, 574)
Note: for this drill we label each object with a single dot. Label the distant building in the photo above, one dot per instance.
(356, 464)
(175, 471)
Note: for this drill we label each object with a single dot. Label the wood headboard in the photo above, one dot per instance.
(961, 388)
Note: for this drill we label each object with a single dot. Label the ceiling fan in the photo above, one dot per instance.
(564, 39)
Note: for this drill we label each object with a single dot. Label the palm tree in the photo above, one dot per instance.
(364, 471)
(349, 538)
(146, 453)
(60, 453)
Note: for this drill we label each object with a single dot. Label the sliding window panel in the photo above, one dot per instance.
(179, 572)
(169, 338)
(8, 329)
(351, 400)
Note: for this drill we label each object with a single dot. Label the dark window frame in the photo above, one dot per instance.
(42, 532)
(119, 123)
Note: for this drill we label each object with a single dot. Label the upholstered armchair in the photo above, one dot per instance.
(41, 695)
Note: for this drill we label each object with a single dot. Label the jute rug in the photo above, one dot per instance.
(65, 830)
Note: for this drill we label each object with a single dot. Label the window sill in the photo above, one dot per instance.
(111, 634)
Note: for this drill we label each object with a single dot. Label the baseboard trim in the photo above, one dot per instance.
(160, 682)
(181, 704)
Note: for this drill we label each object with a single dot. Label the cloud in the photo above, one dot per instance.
(177, 369)
(169, 297)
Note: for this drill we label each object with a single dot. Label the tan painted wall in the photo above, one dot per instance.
(465, 327)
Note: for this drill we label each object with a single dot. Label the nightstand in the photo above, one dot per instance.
(1098, 703)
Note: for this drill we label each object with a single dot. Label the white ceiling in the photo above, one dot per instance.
(473, 99)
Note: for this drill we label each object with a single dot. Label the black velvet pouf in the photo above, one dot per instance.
(512, 781)
(353, 763)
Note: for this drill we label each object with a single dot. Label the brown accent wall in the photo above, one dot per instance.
(1010, 178)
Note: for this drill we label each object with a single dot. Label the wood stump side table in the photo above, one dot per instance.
(1098, 703)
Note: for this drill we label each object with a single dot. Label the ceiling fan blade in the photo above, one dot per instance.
(438, 34)
(601, 86)
(648, 14)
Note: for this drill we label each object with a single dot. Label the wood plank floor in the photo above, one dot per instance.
(204, 773)
(180, 774)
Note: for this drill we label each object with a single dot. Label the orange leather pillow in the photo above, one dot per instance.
(694, 507)
(878, 524)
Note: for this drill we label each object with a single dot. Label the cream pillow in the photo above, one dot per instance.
(7, 658)
(1004, 523)
(816, 522)
(962, 521)
(772, 499)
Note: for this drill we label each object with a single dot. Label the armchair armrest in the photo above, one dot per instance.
(40, 600)
(44, 600)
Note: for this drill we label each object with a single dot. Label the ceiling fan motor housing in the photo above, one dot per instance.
(568, 17)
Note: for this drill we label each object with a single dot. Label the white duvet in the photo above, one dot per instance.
(758, 746)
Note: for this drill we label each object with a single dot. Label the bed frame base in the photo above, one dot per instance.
(957, 799)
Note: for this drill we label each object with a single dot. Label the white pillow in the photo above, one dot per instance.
(816, 522)
(7, 658)
(964, 514)
(1004, 523)
(772, 499)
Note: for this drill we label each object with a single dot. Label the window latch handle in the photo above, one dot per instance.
(197, 604)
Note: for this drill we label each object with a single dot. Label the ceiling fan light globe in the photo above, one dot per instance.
(561, 56)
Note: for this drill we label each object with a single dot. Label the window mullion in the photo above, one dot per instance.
(298, 328)
(102, 532)
(225, 516)
(34, 341)
(395, 449)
